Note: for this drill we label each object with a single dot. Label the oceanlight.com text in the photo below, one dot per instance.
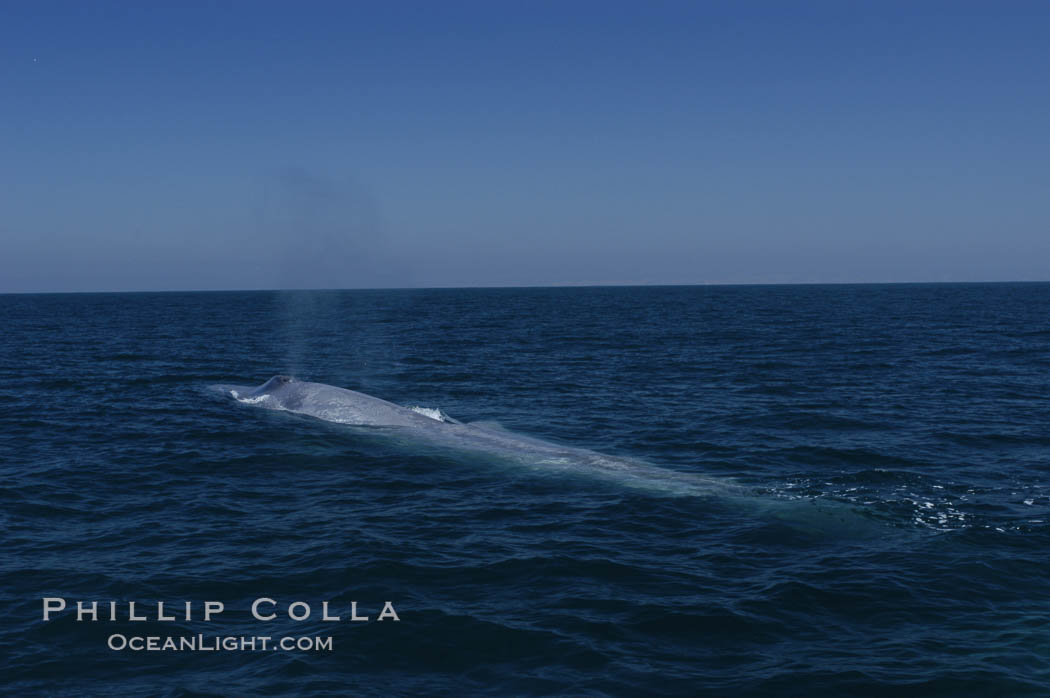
(218, 643)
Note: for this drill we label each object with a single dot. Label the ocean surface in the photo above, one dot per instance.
(878, 520)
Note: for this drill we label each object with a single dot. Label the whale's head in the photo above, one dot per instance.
(271, 388)
(274, 383)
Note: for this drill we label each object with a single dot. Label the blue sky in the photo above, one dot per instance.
(234, 145)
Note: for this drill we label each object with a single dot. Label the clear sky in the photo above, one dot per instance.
(155, 146)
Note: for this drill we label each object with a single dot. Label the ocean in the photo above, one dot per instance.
(878, 520)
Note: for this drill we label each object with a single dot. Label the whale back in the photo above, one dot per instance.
(331, 403)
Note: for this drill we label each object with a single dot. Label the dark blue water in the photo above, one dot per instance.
(892, 444)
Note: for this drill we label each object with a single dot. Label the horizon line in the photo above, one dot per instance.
(570, 284)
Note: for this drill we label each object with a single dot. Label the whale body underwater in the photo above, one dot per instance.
(434, 428)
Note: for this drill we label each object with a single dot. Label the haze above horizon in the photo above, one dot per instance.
(332, 145)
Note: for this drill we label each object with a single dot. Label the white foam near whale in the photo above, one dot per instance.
(433, 427)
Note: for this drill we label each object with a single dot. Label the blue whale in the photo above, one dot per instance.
(433, 428)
